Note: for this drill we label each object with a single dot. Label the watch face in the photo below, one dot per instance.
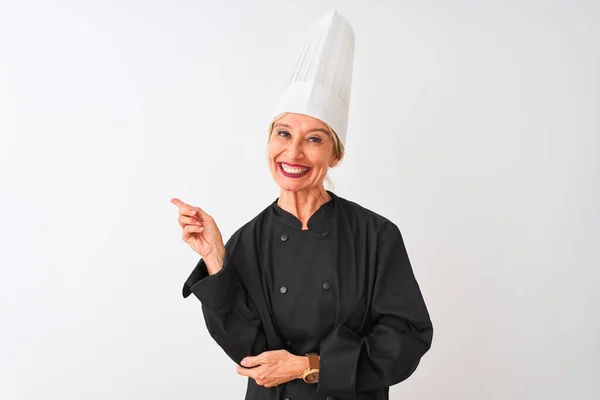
(313, 377)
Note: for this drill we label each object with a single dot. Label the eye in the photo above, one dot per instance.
(283, 133)
(315, 139)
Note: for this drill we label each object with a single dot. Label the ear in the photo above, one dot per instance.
(334, 163)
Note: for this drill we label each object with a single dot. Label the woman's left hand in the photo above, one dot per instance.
(272, 368)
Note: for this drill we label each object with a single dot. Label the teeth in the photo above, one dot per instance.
(292, 170)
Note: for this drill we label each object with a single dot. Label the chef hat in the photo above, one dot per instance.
(321, 82)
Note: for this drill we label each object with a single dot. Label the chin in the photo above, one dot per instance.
(284, 184)
(290, 188)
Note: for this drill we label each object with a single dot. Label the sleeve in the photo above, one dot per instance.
(401, 332)
(230, 316)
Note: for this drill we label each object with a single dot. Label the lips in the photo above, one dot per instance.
(293, 170)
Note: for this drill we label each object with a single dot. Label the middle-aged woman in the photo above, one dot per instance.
(314, 298)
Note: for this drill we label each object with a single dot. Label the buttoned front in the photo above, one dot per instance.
(344, 289)
(302, 263)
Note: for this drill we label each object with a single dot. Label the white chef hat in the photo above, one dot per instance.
(321, 82)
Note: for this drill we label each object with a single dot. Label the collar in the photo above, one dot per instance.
(317, 220)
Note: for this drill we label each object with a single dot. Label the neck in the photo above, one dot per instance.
(303, 204)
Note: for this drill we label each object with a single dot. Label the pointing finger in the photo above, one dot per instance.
(186, 209)
(179, 203)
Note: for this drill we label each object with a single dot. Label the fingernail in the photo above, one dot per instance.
(194, 212)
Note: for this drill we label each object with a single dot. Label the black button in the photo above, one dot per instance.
(324, 234)
(326, 285)
(288, 345)
(284, 238)
(287, 398)
(283, 289)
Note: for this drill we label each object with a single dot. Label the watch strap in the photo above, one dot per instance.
(311, 374)
(313, 360)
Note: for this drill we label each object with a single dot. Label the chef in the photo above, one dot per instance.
(315, 297)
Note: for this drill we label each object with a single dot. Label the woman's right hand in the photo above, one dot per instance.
(202, 234)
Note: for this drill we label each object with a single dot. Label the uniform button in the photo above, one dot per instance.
(288, 345)
(287, 398)
(324, 234)
(326, 285)
(284, 238)
(283, 289)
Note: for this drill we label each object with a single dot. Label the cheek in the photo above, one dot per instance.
(272, 151)
(321, 158)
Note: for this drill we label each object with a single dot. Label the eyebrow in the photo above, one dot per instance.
(279, 124)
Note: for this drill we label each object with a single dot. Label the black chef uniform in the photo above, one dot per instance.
(344, 288)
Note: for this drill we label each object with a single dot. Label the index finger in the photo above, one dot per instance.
(184, 208)
(177, 202)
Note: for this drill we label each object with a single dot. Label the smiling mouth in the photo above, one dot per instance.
(293, 171)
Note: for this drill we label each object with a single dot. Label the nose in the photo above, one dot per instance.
(294, 150)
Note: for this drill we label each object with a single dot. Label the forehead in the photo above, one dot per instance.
(301, 122)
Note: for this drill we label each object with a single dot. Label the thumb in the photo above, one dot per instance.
(250, 362)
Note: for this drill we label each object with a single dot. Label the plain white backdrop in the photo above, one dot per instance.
(473, 127)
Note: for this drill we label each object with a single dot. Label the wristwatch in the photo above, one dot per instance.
(311, 374)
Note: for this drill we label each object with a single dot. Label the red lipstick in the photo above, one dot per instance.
(279, 165)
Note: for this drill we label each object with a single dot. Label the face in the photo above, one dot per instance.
(300, 152)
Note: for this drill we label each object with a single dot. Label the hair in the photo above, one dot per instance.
(338, 147)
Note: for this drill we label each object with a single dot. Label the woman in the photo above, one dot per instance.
(314, 298)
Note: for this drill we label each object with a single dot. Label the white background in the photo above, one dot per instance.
(474, 127)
